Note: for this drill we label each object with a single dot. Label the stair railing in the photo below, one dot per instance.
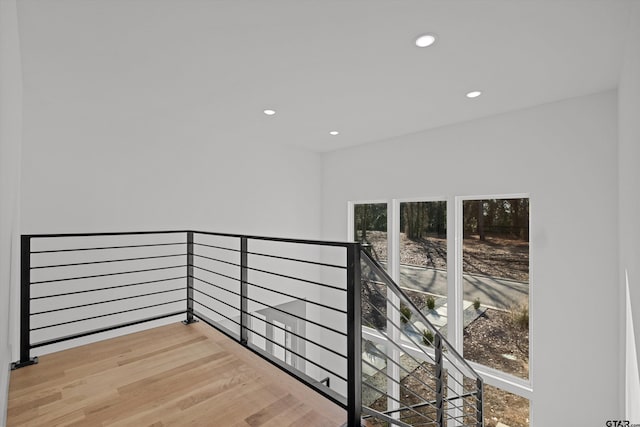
(436, 385)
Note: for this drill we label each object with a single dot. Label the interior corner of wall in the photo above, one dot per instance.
(5, 358)
(632, 375)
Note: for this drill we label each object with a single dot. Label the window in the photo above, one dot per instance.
(476, 251)
(495, 273)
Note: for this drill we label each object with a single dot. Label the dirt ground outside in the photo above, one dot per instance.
(495, 257)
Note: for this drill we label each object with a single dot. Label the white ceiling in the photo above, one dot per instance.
(203, 70)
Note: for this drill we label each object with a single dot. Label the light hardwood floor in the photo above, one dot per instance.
(174, 375)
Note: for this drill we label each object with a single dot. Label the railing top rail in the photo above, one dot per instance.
(107, 233)
(209, 233)
(282, 239)
(396, 289)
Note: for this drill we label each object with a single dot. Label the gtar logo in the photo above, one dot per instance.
(617, 423)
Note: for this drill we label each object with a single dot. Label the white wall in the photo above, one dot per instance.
(565, 155)
(629, 196)
(10, 134)
(82, 181)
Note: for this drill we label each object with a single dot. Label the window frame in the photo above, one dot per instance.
(508, 382)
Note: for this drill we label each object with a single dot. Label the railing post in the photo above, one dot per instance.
(25, 304)
(244, 317)
(479, 406)
(190, 318)
(354, 337)
(437, 343)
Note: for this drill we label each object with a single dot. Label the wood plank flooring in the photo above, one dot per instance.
(174, 375)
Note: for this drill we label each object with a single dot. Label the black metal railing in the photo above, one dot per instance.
(293, 302)
(296, 303)
(73, 285)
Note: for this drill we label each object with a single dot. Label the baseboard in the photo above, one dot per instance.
(5, 361)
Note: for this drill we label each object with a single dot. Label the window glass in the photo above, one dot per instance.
(496, 283)
(502, 408)
(423, 258)
(370, 229)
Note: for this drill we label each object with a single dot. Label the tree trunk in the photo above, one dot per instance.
(481, 220)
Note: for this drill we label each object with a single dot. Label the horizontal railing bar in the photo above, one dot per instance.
(216, 273)
(219, 300)
(217, 286)
(297, 279)
(217, 260)
(326, 392)
(106, 301)
(109, 233)
(392, 398)
(217, 247)
(109, 287)
(274, 325)
(107, 247)
(299, 298)
(460, 416)
(133, 233)
(280, 239)
(399, 383)
(106, 329)
(206, 233)
(107, 274)
(298, 260)
(105, 261)
(372, 413)
(106, 315)
(275, 342)
(433, 402)
(473, 424)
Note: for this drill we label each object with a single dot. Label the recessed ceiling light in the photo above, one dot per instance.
(334, 133)
(425, 40)
(269, 112)
(474, 94)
